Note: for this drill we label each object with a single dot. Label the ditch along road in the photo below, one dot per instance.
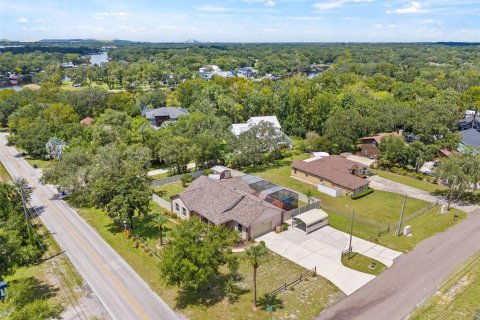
(120, 289)
(414, 276)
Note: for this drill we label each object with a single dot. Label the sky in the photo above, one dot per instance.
(243, 20)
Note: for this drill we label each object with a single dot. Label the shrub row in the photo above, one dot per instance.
(362, 194)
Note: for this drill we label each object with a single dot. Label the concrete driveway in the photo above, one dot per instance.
(379, 183)
(323, 249)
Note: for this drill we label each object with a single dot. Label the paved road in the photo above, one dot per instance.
(413, 277)
(123, 293)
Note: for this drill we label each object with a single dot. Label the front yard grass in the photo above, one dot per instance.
(361, 263)
(4, 176)
(412, 182)
(307, 299)
(459, 299)
(168, 190)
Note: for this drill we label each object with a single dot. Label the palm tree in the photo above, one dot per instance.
(256, 255)
(309, 195)
(159, 221)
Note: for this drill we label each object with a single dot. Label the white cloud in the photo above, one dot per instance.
(412, 7)
(22, 20)
(266, 2)
(328, 5)
(212, 9)
(334, 4)
(117, 15)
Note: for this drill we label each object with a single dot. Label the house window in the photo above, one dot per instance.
(365, 152)
(239, 227)
(374, 144)
(184, 211)
(295, 170)
(177, 207)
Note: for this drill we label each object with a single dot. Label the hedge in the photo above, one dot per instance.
(362, 194)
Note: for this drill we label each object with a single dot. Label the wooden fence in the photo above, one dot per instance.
(296, 281)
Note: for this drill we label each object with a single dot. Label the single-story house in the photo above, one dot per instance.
(246, 72)
(470, 138)
(369, 146)
(229, 201)
(209, 71)
(333, 175)
(160, 115)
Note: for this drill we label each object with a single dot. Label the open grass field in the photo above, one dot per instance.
(412, 182)
(306, 300)
(459, 298)
(168, 190)
(361, 263)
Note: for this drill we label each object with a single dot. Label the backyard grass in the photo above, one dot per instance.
(458, 299)
(412, 182)
(159, 176)
(168, 190)
(361, 263)
(307, 299)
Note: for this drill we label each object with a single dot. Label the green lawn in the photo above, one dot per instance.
(361, 263)
(458, 299)
(159, 176)
(4, 176)
(42, 164)
(168, 190)
(307, 299)
(409, 181)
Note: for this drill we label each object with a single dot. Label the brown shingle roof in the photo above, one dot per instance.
(378, 137)
(335, 169)
(221, 201)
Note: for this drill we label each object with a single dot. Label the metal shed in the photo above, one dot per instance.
(311, 220)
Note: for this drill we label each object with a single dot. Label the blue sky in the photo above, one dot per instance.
(243, 20)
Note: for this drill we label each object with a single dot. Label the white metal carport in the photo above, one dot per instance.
(313, 219)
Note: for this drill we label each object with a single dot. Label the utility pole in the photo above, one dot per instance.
(401, 216)
(20, 188)
(351, 235)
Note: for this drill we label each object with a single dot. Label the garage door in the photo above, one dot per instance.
(261, 229)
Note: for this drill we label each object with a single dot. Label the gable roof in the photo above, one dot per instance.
(221, 201)
(335, 169)
(471, 137)
(171, 112)
(378, 137)
(238, 128)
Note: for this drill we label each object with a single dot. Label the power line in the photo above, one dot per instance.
(33, 214)
(464, 269)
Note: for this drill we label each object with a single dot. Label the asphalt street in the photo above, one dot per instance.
(413, 277)
(122, 292)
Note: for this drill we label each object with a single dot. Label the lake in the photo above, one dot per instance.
(98, 58)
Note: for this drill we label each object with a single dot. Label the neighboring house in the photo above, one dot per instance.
(470, 120)
(470, 139)
(239, 128)
(370, 145)
(68, 65)
(231, 201)
(209, 71)
(87, 122)
(246, 72)
(160, 115)
(333, 175)
(444, 153)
